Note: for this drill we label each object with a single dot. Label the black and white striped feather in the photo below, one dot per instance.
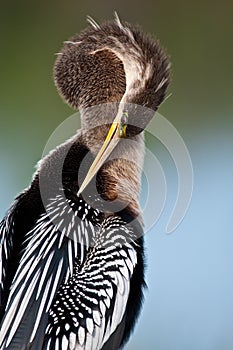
(72, 285)
(48, 260)
(6, 246)
(90, 306)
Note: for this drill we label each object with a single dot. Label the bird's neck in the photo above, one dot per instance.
(119, 179)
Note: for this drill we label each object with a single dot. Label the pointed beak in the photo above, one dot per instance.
(109, 144)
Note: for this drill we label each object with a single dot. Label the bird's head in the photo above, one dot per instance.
(112, 63)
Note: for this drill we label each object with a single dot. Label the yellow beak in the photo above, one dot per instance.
(109, 144)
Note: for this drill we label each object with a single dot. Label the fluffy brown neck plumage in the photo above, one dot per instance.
(122, 175)
(120, 178)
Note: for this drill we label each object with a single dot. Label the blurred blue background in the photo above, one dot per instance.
(189, 301)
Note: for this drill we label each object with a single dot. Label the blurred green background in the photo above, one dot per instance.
(189, 302)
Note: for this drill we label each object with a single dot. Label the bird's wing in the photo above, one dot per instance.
(6, 244)
(48, 259)
(89, 307)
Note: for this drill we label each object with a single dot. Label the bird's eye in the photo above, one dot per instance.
(123, 124)
(124, 118)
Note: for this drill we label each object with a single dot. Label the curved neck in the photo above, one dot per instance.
(122, 174)
(119, 179)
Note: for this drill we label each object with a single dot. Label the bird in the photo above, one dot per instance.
(72, 261)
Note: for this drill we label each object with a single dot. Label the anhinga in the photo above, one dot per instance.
(72, 268)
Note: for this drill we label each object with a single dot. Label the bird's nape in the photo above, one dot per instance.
(72, 266)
